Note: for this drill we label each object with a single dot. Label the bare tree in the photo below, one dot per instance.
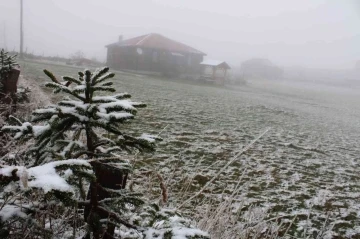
(78, 55)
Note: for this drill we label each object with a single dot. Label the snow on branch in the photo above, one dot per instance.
(115, 116)
(10, 211)
(45, 177)
(25, 129)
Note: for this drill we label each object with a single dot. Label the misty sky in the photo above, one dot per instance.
(312, 33)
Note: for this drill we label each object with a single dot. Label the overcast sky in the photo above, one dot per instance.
(312, 33)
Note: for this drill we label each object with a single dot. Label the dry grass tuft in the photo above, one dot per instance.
(38, 98)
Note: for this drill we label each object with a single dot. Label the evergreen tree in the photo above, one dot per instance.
(7, 63)
(87, 125)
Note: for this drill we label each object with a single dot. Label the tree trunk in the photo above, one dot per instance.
(106, 178)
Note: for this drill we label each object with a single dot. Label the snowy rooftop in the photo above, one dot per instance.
(215, 63)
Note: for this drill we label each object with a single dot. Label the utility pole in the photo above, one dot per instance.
(5, 45)
(21, 31)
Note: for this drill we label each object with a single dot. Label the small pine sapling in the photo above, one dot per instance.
(7, 63)
(87, 125)
(7, 83)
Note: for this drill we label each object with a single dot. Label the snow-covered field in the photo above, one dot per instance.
(306, 165)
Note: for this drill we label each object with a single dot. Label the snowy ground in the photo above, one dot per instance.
(306, 165)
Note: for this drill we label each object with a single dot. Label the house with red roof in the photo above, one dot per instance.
(154, 53)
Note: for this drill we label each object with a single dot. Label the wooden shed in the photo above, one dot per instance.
(214, 71)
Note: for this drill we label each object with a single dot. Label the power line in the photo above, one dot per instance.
(5, 43)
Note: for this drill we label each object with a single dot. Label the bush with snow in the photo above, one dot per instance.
(7, 63)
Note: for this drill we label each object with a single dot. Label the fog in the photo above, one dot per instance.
(309, 33)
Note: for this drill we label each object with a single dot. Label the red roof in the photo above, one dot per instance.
(154, 40)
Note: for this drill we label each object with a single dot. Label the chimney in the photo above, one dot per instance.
(120, 38)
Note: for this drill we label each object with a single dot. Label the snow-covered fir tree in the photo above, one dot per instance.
(76, 160)
(7, 63)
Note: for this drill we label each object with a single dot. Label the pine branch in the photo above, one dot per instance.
(117, 217)
(71, 80)
(14, 119)
(88, 153)
(51, 76)
(98, 73)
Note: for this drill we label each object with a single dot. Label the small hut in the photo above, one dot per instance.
(214, 71)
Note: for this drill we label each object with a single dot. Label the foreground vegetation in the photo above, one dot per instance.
(72, 145)
(298, 180)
